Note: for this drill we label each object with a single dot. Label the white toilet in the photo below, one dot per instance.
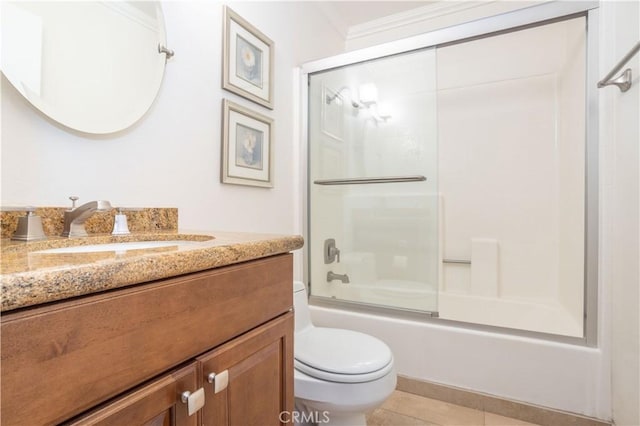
(339, 374)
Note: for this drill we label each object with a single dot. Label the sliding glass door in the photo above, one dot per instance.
(373, 201)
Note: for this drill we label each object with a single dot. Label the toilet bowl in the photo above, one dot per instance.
(339, 374)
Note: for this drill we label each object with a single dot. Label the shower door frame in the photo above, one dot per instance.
(485, 27)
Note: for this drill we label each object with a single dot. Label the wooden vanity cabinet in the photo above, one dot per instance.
(125, 357)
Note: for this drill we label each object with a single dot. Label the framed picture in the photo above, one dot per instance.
(247, 66)
(247, 146)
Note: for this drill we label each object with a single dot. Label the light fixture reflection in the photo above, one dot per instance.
(367, 99)
(368, 94)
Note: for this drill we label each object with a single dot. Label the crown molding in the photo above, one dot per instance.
(412, 16)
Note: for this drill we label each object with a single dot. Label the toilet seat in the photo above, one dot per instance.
(342, 378)
(342, 356)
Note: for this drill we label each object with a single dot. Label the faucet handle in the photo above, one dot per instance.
(331, 252)
(73, 199)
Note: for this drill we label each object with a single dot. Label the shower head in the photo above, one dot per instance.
(336, 95)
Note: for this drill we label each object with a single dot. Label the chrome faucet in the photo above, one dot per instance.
(75, 218)
(333, 276)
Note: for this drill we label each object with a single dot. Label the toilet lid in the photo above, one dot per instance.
(330, 353)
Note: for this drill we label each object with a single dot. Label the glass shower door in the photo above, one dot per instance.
(373, 200)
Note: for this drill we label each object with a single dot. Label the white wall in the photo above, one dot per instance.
(620, 191)
(171, 158)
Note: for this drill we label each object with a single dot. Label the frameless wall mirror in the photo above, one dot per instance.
(92, 66)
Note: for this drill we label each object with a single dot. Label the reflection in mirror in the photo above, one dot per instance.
(91, 66)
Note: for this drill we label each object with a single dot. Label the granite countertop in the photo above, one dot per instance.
(29, 278)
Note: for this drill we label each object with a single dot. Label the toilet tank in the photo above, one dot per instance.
(301, 307)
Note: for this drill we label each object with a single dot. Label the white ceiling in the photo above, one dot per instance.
(352, 13)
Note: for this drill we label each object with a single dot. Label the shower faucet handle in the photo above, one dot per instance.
(331, 252)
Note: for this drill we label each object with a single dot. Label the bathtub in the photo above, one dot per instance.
(535, 371)
(404, 294)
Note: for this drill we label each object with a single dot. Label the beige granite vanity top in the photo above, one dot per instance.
(29, 278)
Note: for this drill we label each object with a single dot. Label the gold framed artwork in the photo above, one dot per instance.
(247, 66)
(247, 146)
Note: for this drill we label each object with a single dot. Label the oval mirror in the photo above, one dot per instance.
(92, 66)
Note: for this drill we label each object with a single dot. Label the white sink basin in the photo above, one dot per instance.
(118, 247)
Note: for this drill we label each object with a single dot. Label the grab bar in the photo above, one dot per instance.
(361, 181)
(623, 81)
(463, 262)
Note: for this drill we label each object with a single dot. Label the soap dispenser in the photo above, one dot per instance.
(120, 226)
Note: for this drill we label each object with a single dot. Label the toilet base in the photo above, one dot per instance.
(305, 416)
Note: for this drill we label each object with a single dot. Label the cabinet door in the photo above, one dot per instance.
(156, 404)
(257, 369)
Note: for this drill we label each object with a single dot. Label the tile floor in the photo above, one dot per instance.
(404, 409)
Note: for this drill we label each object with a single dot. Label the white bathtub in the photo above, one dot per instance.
(392, 293)
(551, 374)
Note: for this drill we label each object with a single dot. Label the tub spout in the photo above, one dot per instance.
(333, 276)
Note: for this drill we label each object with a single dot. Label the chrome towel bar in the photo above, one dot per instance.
(462, 262)
(623, 81)
(361, 181)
